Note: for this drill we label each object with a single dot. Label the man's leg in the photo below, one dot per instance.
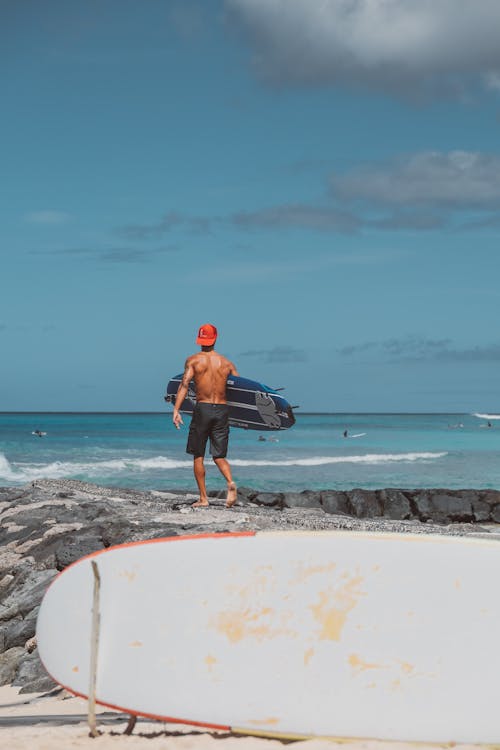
(225, 470)
(199, 475)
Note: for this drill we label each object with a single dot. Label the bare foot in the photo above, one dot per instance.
(232, 494)
(200, 504)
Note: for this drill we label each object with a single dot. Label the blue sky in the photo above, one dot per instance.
(320, 180)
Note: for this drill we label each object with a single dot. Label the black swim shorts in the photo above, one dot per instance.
(209, 421)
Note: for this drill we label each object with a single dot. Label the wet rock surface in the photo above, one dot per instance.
(48, 525)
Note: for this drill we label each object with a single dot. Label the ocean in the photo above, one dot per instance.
(144, 451)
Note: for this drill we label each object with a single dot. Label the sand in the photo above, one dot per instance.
(37, 722)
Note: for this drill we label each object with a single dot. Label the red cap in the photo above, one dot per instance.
(207, 335)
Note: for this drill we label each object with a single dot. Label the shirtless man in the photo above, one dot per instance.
(209, 370)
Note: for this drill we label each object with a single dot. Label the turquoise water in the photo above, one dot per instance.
(146, 452)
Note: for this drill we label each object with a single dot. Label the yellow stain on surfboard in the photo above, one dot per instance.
(210, 661)
(270, 721)
(360, 665)
(130, 575)
(334, 605)
(250, 623)
(303, 573)
(262, 581)
(308, 656)
(407, 668)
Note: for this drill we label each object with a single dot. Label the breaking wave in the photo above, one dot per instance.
(486, 416)
(370, 458)
(28, 472)
(21, 472)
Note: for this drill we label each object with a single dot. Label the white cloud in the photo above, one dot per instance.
(410, 45)
(465, 180)
(47, 217)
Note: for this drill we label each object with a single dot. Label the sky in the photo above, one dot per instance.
(320, 179)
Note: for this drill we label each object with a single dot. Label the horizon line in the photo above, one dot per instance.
(302, 413)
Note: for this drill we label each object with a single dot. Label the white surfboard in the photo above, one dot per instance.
(337, 634)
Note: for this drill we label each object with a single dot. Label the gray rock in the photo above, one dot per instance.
(27, 595)
(16, 632)
(492, 497)
(481, 510)
(246, 494)
(269, 499)
(442, 507)
(305, 499)
(9, 663)
(395, 504)
(335, 502)
(77, 547)
(365, 503)
(31, 675)
(9, 495)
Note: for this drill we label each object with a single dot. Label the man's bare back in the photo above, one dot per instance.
(209, 370)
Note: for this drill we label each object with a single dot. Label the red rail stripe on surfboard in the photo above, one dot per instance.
(155, 717)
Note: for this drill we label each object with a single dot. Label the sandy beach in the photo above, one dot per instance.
(59, 722)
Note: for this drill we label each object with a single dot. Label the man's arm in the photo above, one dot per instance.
(233, 370)
(182, 393)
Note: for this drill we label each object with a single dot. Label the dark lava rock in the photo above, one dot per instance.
(395, 504)
(441, 507)
(246, 494)
(25, 594)
(269, 499)
(17, 631)
(365, 503)
(9, 664)
(305, 499)
(336, 502)
(31, 675)
(77, 547)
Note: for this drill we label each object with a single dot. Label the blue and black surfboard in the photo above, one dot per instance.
(252, 405)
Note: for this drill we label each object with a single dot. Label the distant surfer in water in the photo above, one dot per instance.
(209, 370)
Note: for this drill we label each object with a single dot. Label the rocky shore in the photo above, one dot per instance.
(47, 525)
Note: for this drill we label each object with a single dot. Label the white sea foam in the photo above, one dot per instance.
(20, 472)
(6, 469)
(370, 458)
(28, 472)
(486, 416)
